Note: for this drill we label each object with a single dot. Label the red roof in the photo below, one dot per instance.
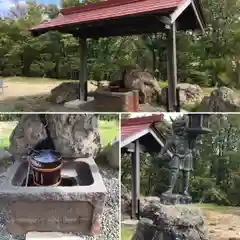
(108, 10)
(132, 126)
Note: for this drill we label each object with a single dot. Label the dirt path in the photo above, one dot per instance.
(30, 94)
(223, 226)
(15, 89)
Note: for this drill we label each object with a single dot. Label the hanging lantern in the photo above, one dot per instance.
(198, 123)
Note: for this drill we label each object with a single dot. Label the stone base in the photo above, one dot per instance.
(50, 236)
(122, 101)
(172, 199)
(77, 103)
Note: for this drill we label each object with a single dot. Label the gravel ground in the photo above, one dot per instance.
(110, 221)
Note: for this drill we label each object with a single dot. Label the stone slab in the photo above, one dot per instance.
(54, 209)
(75, 104)
(50, 236)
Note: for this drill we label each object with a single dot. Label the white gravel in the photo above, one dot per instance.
(111, 214)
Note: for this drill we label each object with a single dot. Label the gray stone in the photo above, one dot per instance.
(189, 93)
(64, 92)
(126, 203)
(77, 208)
(145, 82)
(113, 155)
(168, 222)
(173, 199)
(222, 99)
(74, 135)
(28, 132)
(5, 160)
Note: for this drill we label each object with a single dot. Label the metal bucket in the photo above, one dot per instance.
(46, 167)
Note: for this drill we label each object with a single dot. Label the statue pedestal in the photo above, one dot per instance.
(172, 199)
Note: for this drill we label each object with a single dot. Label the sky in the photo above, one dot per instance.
(6, 4)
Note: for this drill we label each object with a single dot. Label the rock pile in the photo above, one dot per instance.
(169, 222)
(222, 99)
(189, 93)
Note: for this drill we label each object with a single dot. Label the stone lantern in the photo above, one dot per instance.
(197, 124)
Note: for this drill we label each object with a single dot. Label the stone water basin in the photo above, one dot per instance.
(74, 206)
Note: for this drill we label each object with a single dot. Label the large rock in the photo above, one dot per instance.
(145, 82)
(113, 154)
(64, 92)
(5, 160)
(170, 222)
(189, 93)
(26, 135)
(221, 100)
(74, 135)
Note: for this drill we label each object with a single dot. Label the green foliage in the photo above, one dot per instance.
(209, 60)
(108, 117)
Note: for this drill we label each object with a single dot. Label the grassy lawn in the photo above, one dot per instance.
(109, 130)
(4, 142)
(33, 80)
(221, 209)
(127, 233)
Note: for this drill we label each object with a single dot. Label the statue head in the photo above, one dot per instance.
(180, 125)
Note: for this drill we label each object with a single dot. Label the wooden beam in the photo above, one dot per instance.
(83, 70)
(136, 181)
(172, 67)
(198, 16)
(179, 10)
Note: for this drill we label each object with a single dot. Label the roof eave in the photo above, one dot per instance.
(197, 8)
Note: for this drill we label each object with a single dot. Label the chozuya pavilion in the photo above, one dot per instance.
(125, 18)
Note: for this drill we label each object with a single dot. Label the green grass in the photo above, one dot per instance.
(221, 209)
(109, 130)
(126, 233)
(206, 90)
(4, 142)
(163, 84)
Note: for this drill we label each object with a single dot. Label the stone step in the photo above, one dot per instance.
(50, 236)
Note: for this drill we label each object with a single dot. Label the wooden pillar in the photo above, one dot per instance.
(136, 180)
(172, 68)
(83, 76)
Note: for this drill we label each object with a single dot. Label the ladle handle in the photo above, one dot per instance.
(28, 171)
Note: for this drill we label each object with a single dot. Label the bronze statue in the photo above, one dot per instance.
(182, 154)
